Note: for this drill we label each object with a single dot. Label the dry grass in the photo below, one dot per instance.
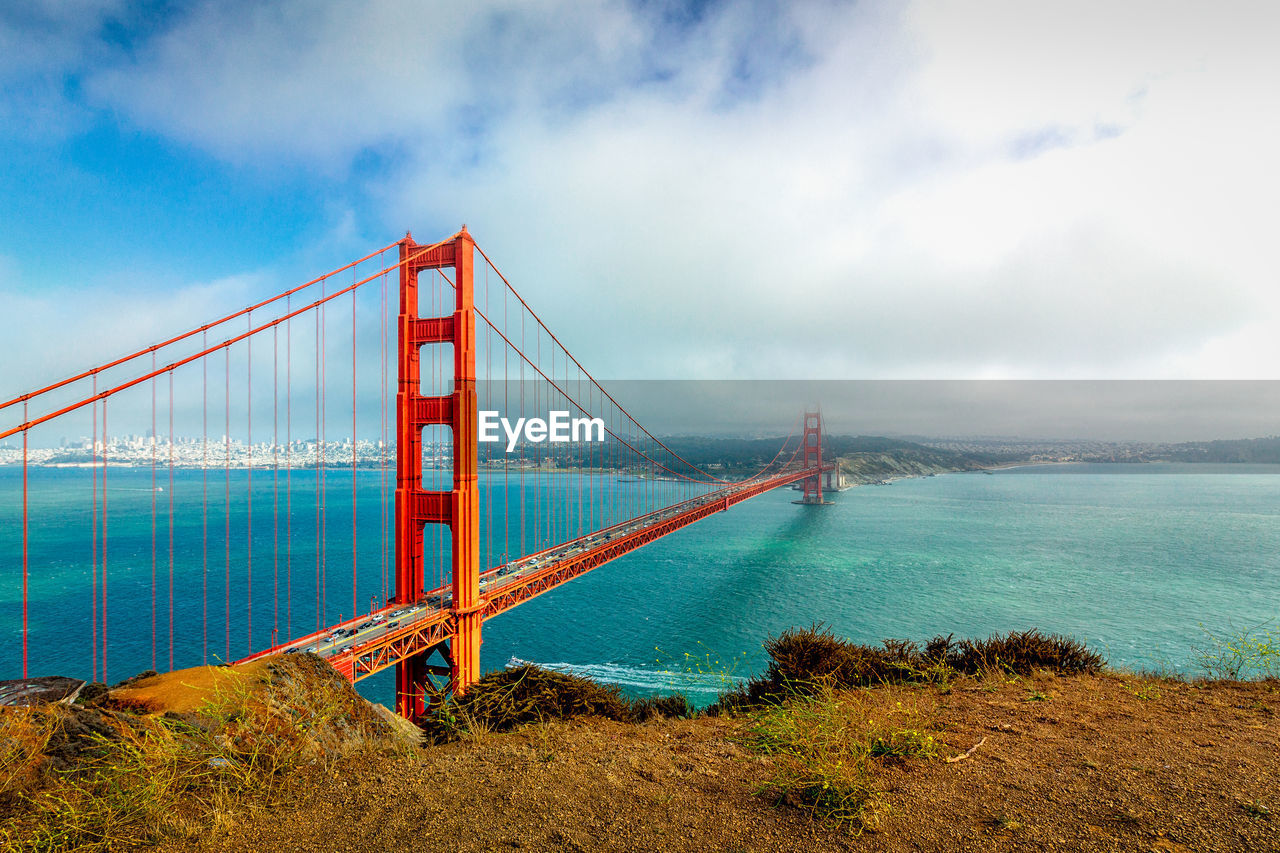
(812, 710)
(829, 744)
(119, 778)
(24, 736)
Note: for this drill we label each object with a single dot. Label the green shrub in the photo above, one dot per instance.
(1251, 653)
(802, 660)
(675, 706)
(1019, 652)
(508, 698)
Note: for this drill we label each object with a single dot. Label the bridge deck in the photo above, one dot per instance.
(363, 646)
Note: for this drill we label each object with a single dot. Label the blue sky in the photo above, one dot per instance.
(762, 190)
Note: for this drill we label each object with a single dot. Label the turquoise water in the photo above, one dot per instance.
(1134, 559)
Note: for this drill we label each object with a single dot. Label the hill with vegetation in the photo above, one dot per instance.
(1248, 450)
(865, 458)
(1018, 742)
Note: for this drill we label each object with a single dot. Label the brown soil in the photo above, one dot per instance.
(185, 690)
(1068, 763)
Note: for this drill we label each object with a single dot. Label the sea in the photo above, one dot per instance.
(1146, 563)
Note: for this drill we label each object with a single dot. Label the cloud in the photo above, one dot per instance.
(49, 36)
(324, 82)
(143, 312)
(43, 45)
(845, 224)
(819, 189)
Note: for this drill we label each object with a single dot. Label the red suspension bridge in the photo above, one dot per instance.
(230, 548)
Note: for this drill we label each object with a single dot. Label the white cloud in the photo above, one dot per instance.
(324, 81)
(789, 236)
(956, 189)
(114, 314)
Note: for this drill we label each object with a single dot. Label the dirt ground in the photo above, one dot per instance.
(185, 690)
(1068, 763)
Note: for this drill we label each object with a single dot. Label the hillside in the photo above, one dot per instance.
(171, 756)
(883, 466)
(866, 458)
(1250, 450)
(1017, 743)
(1088, 762)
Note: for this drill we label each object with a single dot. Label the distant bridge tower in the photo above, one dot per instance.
(812, 452)
(416, 507)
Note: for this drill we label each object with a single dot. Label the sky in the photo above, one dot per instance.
(715, 190)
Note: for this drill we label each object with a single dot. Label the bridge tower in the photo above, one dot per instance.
(414, 506)
(812, 453)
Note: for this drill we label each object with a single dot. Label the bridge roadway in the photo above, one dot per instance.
(370, 643)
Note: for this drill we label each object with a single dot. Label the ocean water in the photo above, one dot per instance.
(1137, 560)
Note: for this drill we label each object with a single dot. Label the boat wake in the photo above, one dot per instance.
(643, 678)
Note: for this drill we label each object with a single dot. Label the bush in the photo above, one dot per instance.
(675, 706)
(1251, 653)
(802, 660)
(505, 699)
(1020, 652)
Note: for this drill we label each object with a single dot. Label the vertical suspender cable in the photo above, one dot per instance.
(93, 566)
(319, 601)
(275, 485)
(488, 404)
(226, 507)
(579, 462)
(523, 497)
(204, 503)
(170, 520)
(24, 541)
(153, 511)
(105, 445)
(539, 540)
(248, 539)
(506, 413)
(288, 472)
(324, 484)
(354, 609)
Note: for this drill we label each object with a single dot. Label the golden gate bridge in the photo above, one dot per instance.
(463, 531)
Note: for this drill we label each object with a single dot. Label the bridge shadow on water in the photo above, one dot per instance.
(794, 537)
(758, 590)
